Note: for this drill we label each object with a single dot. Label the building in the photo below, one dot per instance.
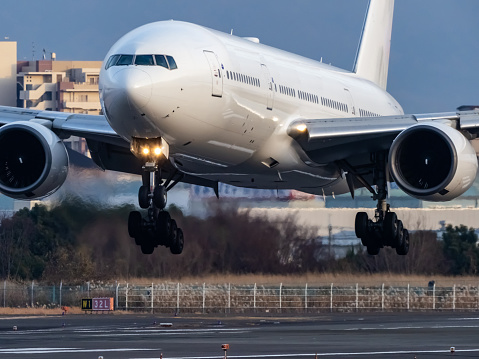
(66, 86)
(8, 72)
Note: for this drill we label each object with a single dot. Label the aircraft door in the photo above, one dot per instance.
(216, 74)
(351, 107)
(269, 85)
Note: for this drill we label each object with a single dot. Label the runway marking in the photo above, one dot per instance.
(67, 350)
(411, 327)
(320, 354)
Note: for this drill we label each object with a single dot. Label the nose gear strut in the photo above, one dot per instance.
(157, 228)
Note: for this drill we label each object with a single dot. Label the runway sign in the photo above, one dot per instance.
(100, 304)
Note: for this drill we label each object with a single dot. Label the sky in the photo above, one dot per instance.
(434, 63)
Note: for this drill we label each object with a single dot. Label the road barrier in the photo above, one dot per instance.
(229, 298)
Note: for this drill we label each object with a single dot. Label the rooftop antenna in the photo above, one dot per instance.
(44, 55)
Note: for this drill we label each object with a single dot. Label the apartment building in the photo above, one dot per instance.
(8, 72)
(66, 86)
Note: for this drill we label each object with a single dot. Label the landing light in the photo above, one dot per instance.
(301, 128)
(157, 151)
(146, 151)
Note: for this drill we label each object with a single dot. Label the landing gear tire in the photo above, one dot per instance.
(147, 248)
(372, 250)
(173, 233)
(177, 246)
(361, 225)
(398, 242)
(404, 248)
(134, 224)
(163, 225)
(143, 197)
(390, 227)
(160, 197)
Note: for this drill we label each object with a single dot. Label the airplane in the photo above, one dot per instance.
(185, 103)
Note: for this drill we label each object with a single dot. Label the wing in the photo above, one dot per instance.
(349, 142)
(108, 150)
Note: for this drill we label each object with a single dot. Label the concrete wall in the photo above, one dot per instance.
(8, 73)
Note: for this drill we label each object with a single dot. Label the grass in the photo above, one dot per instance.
(316, 279)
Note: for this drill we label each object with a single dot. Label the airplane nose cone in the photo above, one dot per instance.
(137, 86)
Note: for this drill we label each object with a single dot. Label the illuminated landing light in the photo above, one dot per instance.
(157, 151)
(301, 128)
(146, 151)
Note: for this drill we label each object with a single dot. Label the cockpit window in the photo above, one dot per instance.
(165, 61)
(161, 60)
(111, 61)
(125, 60)
(146, 60)
(172, 63)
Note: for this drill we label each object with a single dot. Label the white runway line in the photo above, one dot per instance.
(319, 354)
(67, 350)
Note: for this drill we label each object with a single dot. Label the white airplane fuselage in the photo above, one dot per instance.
(225, 109)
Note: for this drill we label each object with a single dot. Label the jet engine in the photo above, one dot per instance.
(433, 162)
(33, 161)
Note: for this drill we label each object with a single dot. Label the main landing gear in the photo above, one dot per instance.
(158, 228)
(385, 229)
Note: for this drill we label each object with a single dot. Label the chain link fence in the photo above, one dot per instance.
(228, 298)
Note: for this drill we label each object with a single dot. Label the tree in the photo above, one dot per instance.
(460, 249)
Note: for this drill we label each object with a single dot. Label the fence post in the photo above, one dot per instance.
(32, 293)
(408, 297)
(280, 289)
(152, 298)
(254, 297)
(434, 296)
(229, 297)
(4, 292)
(88, 288)
(178, 297)
(204, 295)
(331, 299)
(454, 298)
(306, 297)
(382, 297)
(116, 295)
(126, 297)
(60, 294)
(357, 297)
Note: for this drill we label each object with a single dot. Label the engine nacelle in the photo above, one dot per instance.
(33, 161)
(433, 162)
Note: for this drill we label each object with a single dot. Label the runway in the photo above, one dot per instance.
(338, 335)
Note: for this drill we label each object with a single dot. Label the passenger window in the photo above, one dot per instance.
(171, 62)
(228, 75)
(125, 60)
(161, 61)
(111, 61)
(145, 60)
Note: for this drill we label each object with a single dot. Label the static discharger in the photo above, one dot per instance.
(225, 347)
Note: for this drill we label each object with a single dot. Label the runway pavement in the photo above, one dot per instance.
(337, 335)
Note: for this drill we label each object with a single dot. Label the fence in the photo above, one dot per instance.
(228, 298)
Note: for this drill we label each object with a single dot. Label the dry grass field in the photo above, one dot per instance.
(314, 279)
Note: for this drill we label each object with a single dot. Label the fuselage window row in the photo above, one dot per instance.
(235, 76)
(165, 61)
(308, 96)
(365, 113)
(334, 104)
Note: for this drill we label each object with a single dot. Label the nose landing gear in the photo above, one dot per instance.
(157, 228)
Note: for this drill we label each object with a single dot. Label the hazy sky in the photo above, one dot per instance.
(434, 55)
